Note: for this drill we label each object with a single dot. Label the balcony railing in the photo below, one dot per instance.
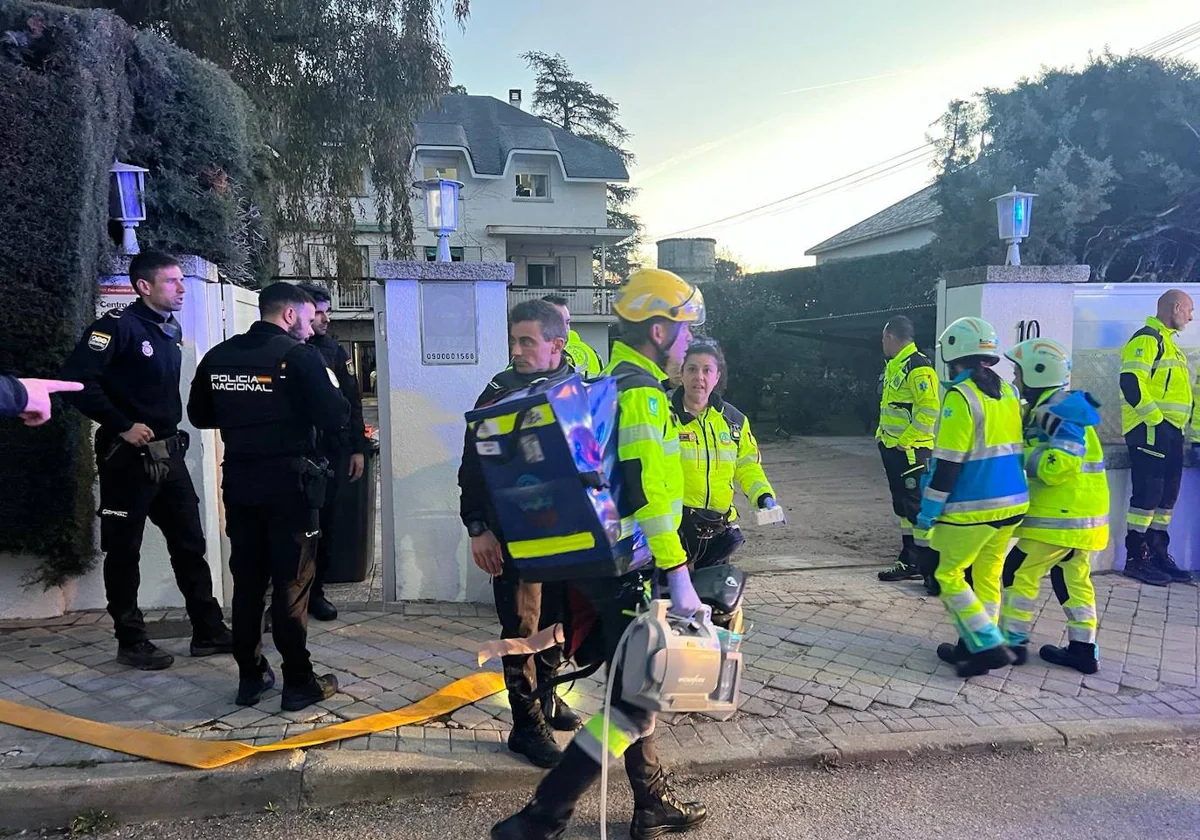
(345, 295)
(581, 300)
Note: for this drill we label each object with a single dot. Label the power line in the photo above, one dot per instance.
(1185, 47)
(922, 148)
(877, 176)
(1167, 41)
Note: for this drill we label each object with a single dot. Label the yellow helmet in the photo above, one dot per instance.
(658, 293)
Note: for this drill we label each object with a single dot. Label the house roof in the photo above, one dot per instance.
(918, 210)
(490, 132)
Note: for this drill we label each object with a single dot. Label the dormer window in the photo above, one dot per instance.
(533, 185)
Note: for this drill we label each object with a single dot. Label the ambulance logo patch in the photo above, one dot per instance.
(923, 386)
(725, 437)
(98, 341)
(147, 349)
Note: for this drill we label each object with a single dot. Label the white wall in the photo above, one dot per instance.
(421, 407)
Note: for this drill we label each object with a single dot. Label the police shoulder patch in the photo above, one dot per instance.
(98, 341)
(652, 404)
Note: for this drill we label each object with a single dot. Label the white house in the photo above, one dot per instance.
(906, 225)
(532, 195)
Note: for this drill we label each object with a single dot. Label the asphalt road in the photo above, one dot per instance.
(1138, 792)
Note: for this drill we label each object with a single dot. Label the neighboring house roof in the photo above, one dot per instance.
(490, 132)
(918, 210)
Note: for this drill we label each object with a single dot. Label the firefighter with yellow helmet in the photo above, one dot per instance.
(657, 310)
(976, 493)
(1068, 507)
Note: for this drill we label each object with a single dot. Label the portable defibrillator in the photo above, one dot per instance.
(549, 458)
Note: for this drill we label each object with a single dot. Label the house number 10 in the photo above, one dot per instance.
(1028, 329)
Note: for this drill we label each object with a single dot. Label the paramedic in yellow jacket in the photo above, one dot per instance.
(1068, 507)
(718, 451)
(1156, 405)
(656, 310)
(909, 405)
(976, 494)
(578, 354)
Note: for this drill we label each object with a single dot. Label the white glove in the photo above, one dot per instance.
(684, 600)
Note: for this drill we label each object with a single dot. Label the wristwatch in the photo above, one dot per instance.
(477, 528)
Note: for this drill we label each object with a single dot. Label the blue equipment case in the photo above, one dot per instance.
(549, 458)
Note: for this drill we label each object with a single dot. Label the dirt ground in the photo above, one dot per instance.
(838, 508)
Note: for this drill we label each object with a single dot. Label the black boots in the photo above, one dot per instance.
(967, 664)
(558, 714)
(1141, 566)
(657, 811)
(547, 814)
(531, 736)
(536, 821)
(321, 608)
(1081, 656)
(1158, 545)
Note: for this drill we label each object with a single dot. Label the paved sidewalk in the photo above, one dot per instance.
(831, 654)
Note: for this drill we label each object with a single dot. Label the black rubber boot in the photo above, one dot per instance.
(978, 664)
(251, 691)
(1081, 656)
(531, 736)
(558, 714)
(303, 696)
(145, 656)
(953, 654)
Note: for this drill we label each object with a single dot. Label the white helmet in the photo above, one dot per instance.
(1044, 362)
(969, 337)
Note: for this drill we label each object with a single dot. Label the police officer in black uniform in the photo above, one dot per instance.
(128, 362)
(269, 393)
(538, 337)
(346, 450)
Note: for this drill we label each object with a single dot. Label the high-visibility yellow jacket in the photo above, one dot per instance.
(1068, 490)
(648, 448)
(718, 449)
(582, 357)
(909, 403)
(1161, 370)
(984, 436)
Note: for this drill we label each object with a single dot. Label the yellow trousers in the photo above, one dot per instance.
(982, 549)
(1071, 576)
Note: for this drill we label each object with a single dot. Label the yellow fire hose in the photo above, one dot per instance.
(205, 755)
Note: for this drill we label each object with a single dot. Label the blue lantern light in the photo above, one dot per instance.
(1013, 212)
(127, 202)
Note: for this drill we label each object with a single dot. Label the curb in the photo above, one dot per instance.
(52, 797)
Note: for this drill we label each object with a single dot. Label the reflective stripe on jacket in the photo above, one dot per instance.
(1161, 369)
(717, 449)
(648, 448)
(908, 407)
(983, 435)
(1068, 490)
(581, 357)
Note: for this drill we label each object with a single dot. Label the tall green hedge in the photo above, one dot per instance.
(79, 89)
(832, 388)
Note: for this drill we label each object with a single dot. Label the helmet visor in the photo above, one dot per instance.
(691, 310)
